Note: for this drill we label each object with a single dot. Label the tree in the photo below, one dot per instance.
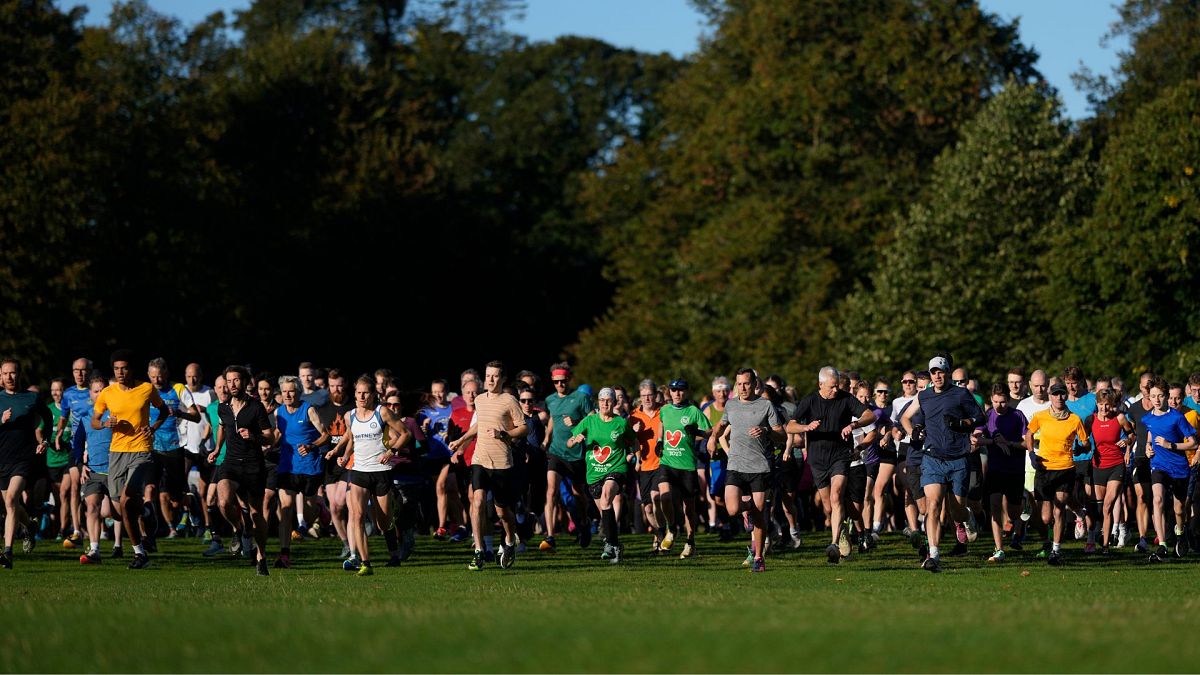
(1123, 286)
(797, 130)
(961, 273)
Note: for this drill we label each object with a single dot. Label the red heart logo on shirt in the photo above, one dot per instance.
(673, 438)
(600, 454)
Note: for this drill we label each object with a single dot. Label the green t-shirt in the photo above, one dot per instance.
(575, 405)
(607, 444)
(57, 458)
(214, 421)
(680, 426)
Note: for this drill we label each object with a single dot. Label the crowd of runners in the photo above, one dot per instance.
(114, 455)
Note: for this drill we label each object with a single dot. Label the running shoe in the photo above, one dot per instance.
(440, 534)
(1142, 546)
(313, 532)
(1181, 546)
(668, 541)
(548, 545)
(214, 548)
(489, 555)
(958, 551)
(654, 545)
(408, 542)
(90, 558)
(207, 537)
(875, 539)
(997, 556)
(1017, 543)
(260, 568)
(607, 552)
(1043, 554)
(1163, 552)
(749, 557)
(971, 527)
(1122, 535)
(508, 556)
(394, 561)
(29, 542)
(585, 537)
(476, 563)
(616, 556)
(460, 535)
(916, 538)
(797, 539)
(843, 544)
(1089, 549)
(833, 554)
(72, 541)
(759, 565)
(235, 545)
(351, 564)
(864, 546)
(688, 551)
(907, 532)
(117, 552)
(149, 544)
(140, 561)
(932, 565)
(365, 570)
(296, 536)
(1104, 551)
(6, 561)
(345, 551)
(247, 547)
(922, 552)
(1080, 529)
(283, 562)
(1154, 558)
(961, 531)
(1055, 559)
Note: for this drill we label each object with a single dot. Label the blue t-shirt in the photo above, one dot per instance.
(439, 422)
(296, 429)
(940, 441)
(1083, 407)
(167, 436)
(77, 407)
(1192, 403)
(1174, 428)
(916, 454)
(316, 397)
(98, 441)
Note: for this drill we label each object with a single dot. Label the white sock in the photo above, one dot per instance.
(933, 552)
(139, 549)
(1056, 547)
(94, 548)
(876, 526)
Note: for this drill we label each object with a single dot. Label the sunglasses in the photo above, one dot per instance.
(558, 382)
(908, 381)
(1058, 394)
(883, 391)
(960, 382)
(527, 400)
(393, 404)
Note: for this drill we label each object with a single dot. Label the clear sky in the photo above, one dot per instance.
(1066, 33)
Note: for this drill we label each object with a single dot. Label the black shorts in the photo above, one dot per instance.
(430, 466)
(500, 482)
(791, 472)
(1047, 482)
(1141, 470)
(856, 483)
(748, 482)
(825, 465)
(1106, 476)
(597, 489)
(199, 462)
(56, 474)
(333, 472)
(272, 481)
(248, 475)
(7, 471)
(912, 481)
(682, 480)
(1177, 486)
(887, 454)
(304, 484)
(1011, 485)
(1083, 471)
(573, 470)
(648, 482)
(170, 475)
(377, 483)
(873, 471)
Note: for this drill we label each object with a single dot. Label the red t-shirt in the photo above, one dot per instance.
(460, 423)
(1106, 434)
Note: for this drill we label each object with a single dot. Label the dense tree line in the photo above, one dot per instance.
(376, 182)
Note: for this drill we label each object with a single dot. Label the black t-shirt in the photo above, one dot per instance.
(834, 413)
(1135, 413)
(333, 418)
(252, 416)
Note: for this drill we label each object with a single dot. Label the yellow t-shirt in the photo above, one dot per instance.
(1193, 419)
(1058, 438)
(131, 409)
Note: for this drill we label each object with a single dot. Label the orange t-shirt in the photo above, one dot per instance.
(647, 438)
(131, 409)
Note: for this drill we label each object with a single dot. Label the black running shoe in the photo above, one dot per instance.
(1055, 559)
(140, 561)
(585, 535)
(932, 565)
(149, 544)
(959, 550)
(261, 568)
(6, 561)
(393, 561)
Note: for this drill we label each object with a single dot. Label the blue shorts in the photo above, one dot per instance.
(716, 478)
(936, 471)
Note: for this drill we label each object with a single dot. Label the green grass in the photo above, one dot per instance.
(573, 612)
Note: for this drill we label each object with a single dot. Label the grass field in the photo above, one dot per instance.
(573, 612)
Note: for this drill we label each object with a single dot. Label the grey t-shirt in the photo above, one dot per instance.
(746, 453)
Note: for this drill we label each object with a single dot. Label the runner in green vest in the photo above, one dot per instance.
(682, 425)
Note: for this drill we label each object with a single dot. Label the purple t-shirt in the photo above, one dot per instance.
(1011, 425)
(882, 424)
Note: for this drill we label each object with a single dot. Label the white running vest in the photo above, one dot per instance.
(369, 439)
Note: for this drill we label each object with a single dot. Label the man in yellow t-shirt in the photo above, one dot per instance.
(128, 403)
(1059, 430)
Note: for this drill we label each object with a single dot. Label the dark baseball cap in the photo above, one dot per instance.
(1058, 388)
(678, 384)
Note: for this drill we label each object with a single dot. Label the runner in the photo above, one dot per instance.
(886, 453)
(1140, 472)
(1003, 439)
(1016, 387)
(246, 427)
(72, 428)
(950, 417)
(300, 471)
(309, 391)
(95, 481)
(196, 438)
(63, 473)
(715, 410)
(1110, 433)
(369, 429)
(748, 429)
(682, 425)
(22, 420)
(1168, 437)
(212, 511)
(434, 419)
(609, 441)
(333, 418)
(1083, 404)
(863, 440)
(264, 389)
(130, 464)
(566, 409)
(169, 477)
(649, 458)
(1058, 429)
(828, 417)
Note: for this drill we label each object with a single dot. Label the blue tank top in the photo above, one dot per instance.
(296, 429)
(167, 436)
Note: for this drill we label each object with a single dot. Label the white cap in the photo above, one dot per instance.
(606, 392)
(940, 363)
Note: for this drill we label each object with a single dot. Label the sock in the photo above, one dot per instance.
(1055, 547)
(877, 527)
(390, 538)
(139, 550)
(94, 547)
(933, 551)
(8, 550)
(487, 542)
(609, 518)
